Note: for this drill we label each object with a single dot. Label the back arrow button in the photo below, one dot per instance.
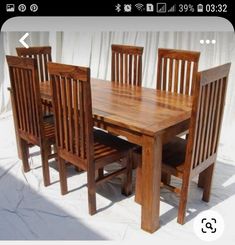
(22, 40)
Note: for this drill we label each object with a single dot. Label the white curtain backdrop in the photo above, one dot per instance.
(93, 49)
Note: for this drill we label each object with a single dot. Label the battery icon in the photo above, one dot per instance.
(199, 8)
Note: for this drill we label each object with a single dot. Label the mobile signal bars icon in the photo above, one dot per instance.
(172, 8)
(139, 6)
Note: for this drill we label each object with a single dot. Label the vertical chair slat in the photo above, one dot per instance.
(196, 143)
(130, 70)
(81, 120)
(113, 65)
(60, 103)
(200, 125)
(70, 113)
(209, 115)
(188, 73)
(121, 67)
(170, 75)
(139, 70)
(135, 70)
(126, 68)
(213, 105)
(218, 112)
(205, 123)
(164, 81)
(182, 76)
(176, 78)
(117, 67)
(159, 72)
(25, 98)
(40, 57)
(20, 98)
(45, 60)
(194, 71)
(64, 112)
(76, 117)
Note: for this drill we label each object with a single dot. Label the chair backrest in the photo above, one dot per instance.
(73, 112)
(176, 71)
(127, 64)
(207, 114)
(42, 55)
(25, 88)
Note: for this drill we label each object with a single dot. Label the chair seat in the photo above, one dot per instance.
(107, 145)
(174, 154)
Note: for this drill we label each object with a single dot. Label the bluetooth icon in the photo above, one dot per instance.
(118, 7)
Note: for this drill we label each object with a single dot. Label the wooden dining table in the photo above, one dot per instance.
(147, 117)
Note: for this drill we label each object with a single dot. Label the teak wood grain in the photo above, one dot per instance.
(139, 110)
(126, 64)
(144, 116)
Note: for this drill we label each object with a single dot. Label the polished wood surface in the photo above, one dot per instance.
(76, 140)
(141, 110)
(177, 69)
(32, 126)
(126, 64)
(144, 116)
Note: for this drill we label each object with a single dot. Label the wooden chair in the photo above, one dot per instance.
(77, 141)
(176, 70)
(33, 128)
(127, 64)
(43, 55)
(187, 158)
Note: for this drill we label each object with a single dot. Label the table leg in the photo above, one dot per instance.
(151, 176)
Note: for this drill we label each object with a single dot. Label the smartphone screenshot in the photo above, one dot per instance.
(117, 122)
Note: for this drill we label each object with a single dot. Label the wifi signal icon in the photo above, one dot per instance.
(139, 6)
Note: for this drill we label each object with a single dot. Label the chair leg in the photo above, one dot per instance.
(201, 179)
(91, 191)
(24, 152)
(127, 185)
(63, 177)
(45, 164)
(100, 173)
(183, 201)
(166, 178)
(138, 184)
(207, 183)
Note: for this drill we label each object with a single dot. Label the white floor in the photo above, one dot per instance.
(29, 211)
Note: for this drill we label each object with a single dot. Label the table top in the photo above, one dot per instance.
(144, 110)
